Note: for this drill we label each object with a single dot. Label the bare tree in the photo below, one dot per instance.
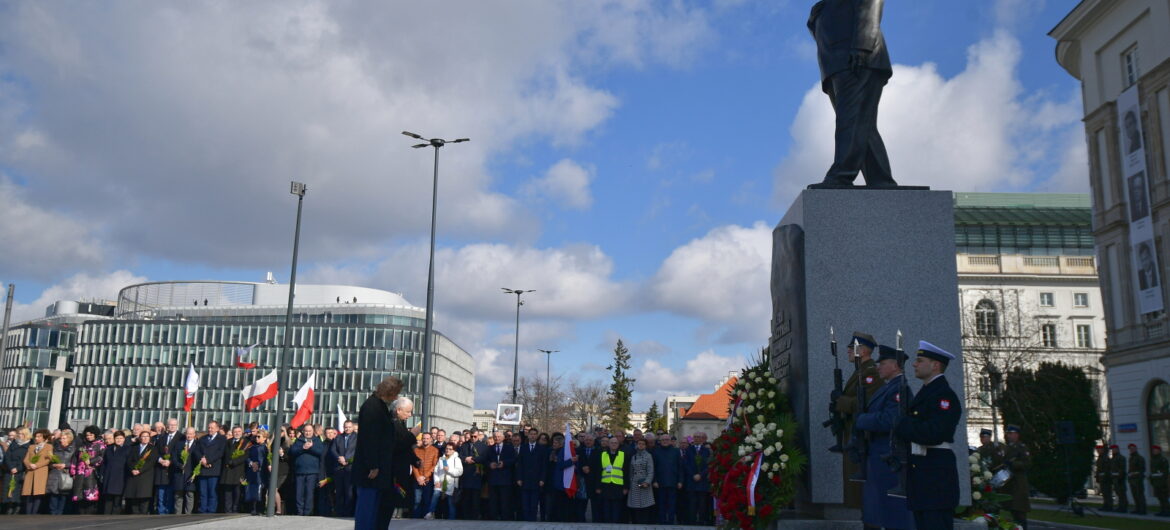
(546, 407)
(588, 402)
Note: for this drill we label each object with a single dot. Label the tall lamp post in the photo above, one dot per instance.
(428, 361)
(996, 378)
(298, 189)
(547, 390)
(516, 352)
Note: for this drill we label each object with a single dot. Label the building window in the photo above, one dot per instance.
(986, 318)
(1048, 335)
(1047, 300)
(1084, 336)
(1129, 65)
(1080, 299)
(1158, 414)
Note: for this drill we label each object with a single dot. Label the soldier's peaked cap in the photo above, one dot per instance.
(931, 351)
(864, 338)
(984, 432)
(1012, 428)
(886, 353)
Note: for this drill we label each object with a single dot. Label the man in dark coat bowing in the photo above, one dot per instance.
(933, 489)
(373, 457)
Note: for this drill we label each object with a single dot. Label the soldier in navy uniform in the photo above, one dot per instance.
(879, 508)
(933, 489)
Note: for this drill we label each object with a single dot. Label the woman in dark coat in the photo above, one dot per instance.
(86, 461)
(256, 472)
(114, 474)
(13, 476)
(60, 482)
(140, 475)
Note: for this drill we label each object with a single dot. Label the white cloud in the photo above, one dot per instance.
(78, 287)
(699, 375)
(976, 131)
(566, 182)
(39, 243)
(722, 280)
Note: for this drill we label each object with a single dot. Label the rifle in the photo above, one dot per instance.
(899, 457)
(835, 421)
(862, 445)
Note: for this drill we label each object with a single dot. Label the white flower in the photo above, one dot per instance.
(779, 432)
(771, 394)
(987, 475)
(783, 459)
(771, 426)
(751, 409)
(771, 475)
(976, 495)
(975, 468)
(974, 459)
(742, 450)
(768, 451)
(976, 481)
(778, 446)
(761, 419)
(783, 465)
(751, 395)
(772, 380)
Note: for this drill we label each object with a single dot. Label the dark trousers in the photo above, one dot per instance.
(343, 492)
(325, 500)
(859, 147)
(611, 510)
(184, 502)
(57, 504)
(306, 486)
(1021, 518)
(595, 502)
(112, 505)
(685, 514)
(1106, 487)
(667, 497)
(529, 503)
(373, 509)
(469, 504)
(166, 499)
(422, 498)
(208, 497)
(230, 495)
(1122, 500)
(500, 498)
(701, 504)
(578, 510)
(140, 506)
(32, 504)
(1138, 487)
(935, 519)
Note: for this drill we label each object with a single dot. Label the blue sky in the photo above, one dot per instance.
(628, 159)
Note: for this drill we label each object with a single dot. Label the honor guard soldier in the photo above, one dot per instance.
(1104, 482)
(879, 508)
(1117, 473)
(990, 451)
(933, 489)
(865, 376)
(1137, 479)
(1017, 459)
(1160, 480)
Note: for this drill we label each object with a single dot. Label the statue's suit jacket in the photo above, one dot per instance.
(841, 26)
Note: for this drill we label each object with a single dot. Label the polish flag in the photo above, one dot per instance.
(340, 419)
(570, 475)
(190, 388)
(304, 402)
(262, 390)
(242, 355)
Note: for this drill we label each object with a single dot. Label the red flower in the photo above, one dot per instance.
(776, 479)
(765, 511)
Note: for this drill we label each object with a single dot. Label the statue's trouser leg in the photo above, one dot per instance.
(859, 147)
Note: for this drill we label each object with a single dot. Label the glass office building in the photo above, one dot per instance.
(131, 368)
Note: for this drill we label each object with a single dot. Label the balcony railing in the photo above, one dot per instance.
(1020, 264)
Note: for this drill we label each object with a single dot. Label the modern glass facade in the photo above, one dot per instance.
(25, 390)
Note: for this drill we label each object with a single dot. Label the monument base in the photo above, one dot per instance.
(868, 260)
(823, 186)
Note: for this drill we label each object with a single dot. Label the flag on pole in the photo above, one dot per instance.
(304, 402)
(570, 475)
(190, 388)
(243, 355)
(340, 419)
(262, 390)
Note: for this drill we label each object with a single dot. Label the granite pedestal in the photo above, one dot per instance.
(874, 261)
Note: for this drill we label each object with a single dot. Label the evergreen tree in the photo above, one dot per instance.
(1036, 402)
(651, 416)
(620, 390)
(659, 423)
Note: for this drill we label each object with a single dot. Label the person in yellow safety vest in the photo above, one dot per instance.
(614, 466)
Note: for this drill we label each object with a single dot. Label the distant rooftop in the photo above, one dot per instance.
(1022, 200)
(1023, 209)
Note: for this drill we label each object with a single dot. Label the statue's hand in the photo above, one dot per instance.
(858, 59)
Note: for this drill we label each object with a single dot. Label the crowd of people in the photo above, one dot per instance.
(470, 474)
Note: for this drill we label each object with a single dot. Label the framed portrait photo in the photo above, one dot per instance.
(509, 413)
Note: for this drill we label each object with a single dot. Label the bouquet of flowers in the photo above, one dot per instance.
(324, 482)
(11, 486)
(984, 499)
(34, 459)
(54, 459)
(755, 462)
(238, 453)
(85, 456)
(142, 461)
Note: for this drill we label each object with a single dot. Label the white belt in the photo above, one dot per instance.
(920, 450)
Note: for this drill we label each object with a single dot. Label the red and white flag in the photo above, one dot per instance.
(190, 388)
(570, 475)
(262, 390)
(304, 402)
(243, 355)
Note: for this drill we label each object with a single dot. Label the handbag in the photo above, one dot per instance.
(65, 483)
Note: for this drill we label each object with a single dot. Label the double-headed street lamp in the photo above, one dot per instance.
(428, 362)
(298, 189)
(516, 353)
(547, 391)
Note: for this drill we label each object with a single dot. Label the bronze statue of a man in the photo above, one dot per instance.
(855, 66)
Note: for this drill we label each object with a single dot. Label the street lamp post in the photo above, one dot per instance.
(516, 352)
(298, 189)
(547, 390)
(428, 361)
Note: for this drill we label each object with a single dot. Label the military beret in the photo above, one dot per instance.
(886, 353)
(984, 432)
(1012, 428)
(1114, 446)
(930, 351)
(1132, 446)
(1155, 448)
(864, 338)
(1100, 447)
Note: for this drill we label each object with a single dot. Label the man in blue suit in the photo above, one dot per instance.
(531, 469)
(339, 457)
(879, 509)
(209, 453)
(933, 489)
(668, 479)
(501, 459)
(698, 486)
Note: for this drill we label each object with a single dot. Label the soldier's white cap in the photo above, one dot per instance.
(931, 351)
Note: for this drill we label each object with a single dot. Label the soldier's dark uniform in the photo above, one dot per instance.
(1019, 461)
(1117, 473)
(990, 451)
(864, 376)
(1137, 479)
(1160, 480)
(1104, 482)
(933, 489)
(880, 509)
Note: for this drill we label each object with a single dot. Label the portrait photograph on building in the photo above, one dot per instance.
(509, 413)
